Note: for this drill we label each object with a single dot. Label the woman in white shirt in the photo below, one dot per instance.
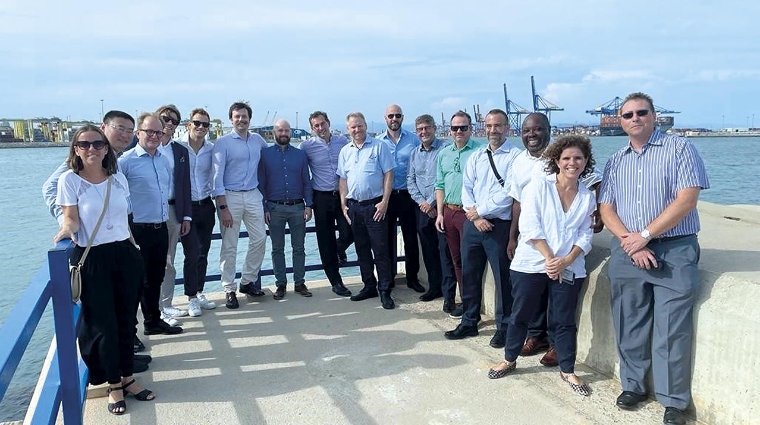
(113, 270)
(555, 234)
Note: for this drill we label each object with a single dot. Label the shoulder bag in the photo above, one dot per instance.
(75, 270)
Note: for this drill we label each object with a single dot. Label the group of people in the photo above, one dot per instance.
(529, 214)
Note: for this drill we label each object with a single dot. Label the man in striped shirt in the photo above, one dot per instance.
(648, 201)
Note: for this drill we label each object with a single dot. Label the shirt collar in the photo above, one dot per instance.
(654, 139)
(141, 152)
(435, 145)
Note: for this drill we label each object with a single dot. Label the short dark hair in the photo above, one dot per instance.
(638, 96)
(497, 111)
(169, 108)
(554, 152)
(111, 115)
(199, 111)
(75, 162)
(461, 113)
(241, 105)
(426, 118)
(317, 114)
(542, 116)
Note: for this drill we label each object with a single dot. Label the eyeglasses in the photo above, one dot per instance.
(152, 133)
(201, 124)
(463, 128)
(121, 129)
(425, 128)
(639, 113)
(96, 144)
(392, 116)
(456, 165)
(167, 119)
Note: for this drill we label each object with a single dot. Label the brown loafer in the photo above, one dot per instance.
(303, 290)
(550, 358)
(534, 346)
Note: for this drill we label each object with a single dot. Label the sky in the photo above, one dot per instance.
(71, 58)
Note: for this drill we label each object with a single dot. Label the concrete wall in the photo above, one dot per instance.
(726, 357)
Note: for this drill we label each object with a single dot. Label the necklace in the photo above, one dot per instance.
(109, 226)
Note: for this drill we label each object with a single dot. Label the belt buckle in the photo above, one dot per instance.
(158, 225)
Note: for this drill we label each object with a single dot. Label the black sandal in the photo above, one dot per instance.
(121, 404)
(144, 395)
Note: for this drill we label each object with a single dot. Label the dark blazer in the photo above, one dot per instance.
(182, 193)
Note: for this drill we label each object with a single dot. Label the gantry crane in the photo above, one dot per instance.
(514, 112)
(540, 104)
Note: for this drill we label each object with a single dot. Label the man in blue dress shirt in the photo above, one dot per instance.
(365, 167)
(286, 187)
(401, 208)
(238, 200)
(148, 175)
(322, 151)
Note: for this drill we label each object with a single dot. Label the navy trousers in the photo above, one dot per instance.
(436, 256)
(371, 237)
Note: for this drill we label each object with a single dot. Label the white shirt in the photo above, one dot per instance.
(542, 217)
(201, 169)
(527, 167)
(90, 199)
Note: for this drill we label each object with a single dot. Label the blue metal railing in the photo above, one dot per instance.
(64, 375)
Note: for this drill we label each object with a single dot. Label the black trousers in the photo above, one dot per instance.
(538, 326)
(111, 278)
(327, 217)
(154, 245)
(196, 244)
(371, 237)
(401, 212)
(437, 257)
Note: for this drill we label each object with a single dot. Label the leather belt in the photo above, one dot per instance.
(454, 207)
(328, 192)
(288, 202)
(398, 191)
(241, 190)
(372, 201)
(202, 201)
(670, 238)
(172, 201)
(150, 225)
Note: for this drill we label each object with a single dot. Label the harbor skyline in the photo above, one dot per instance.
(429, 57)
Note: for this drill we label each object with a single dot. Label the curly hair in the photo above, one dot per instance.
(554, 152)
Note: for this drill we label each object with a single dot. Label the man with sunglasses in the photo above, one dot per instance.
(149, 177)
(488, 209)
(401, 208)
(648, 201)
(448, 195)
(180, 214)
(235, 160)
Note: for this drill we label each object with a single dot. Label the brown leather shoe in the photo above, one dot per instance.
(303, 290)
(550, 358)
(534, 346)
(279, 293)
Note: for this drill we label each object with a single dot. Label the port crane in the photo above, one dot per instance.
(540, 104)
(514, 112)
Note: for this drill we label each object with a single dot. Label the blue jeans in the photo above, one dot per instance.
(292, 215)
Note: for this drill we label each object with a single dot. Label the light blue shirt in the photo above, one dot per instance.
(50, 191)
(364, 168)
(236, 162)
(148, 177)
(401, 152)
(480, 186)
(323, 161)
(420, 179)
(641, 185)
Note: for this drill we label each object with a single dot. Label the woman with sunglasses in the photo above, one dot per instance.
(555, 235)
(112, 272)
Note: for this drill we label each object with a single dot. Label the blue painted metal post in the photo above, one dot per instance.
(65, 333)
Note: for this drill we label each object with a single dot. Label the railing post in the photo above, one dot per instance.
(65, 333)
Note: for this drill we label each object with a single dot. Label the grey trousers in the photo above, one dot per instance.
(652, 316)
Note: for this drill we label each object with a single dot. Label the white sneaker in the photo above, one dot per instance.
(205, 303)
(169, 319)
(175, 312)
(194, 308)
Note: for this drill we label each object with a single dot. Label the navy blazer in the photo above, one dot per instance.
(182, 193)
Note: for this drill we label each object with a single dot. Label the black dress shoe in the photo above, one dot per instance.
(342, 258)
(499, 339)
(341, 290)
(415, 286)
(139, 346)
(142, 358)
(430, 296)
(161, 328)
(364, 294)
(386, 300)
(628, 400)
(248, 289)
(279, 293)
(461, 332)
(673, 416)
(138, 367)
(232, 302)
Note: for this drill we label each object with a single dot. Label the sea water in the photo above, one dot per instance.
(27, 230)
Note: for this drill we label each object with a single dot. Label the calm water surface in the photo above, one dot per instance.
(27, 229)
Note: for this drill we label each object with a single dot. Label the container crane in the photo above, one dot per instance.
(540, 104)
(514, 112)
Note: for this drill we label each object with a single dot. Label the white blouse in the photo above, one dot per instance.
(90, 198)
(542, 217)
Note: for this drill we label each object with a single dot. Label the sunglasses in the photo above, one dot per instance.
(425, 128)
(167, 119)
(152, 133)
(201, 124)
(639, 113)
(457, 168)
(96, 144)
(455, 128)
(397, 116)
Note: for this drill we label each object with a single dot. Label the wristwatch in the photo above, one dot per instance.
(645, 234)
(222, 207)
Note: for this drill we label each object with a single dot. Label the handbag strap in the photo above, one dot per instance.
(493, 167)
(97, 226)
